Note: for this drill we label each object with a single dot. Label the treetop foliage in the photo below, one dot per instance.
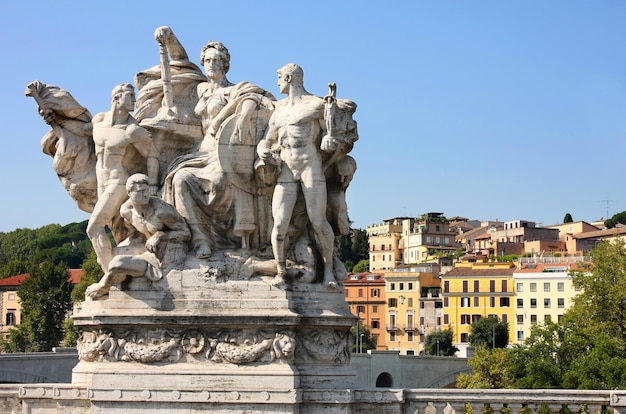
(619, 218)
(54, 243)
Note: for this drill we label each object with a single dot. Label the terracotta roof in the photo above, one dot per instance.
(600, 233)
(13, 280)
(468, 271)
(365, 278)
(16, 281)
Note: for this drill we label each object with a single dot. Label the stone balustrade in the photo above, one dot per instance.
(16, 398)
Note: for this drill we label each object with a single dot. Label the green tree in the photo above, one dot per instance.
(491, 370)
(568, 218)
(365, 334)
(13, 268)
(362, 266)
(619, 218)
(440, 343)
(92, 272)
(487, 330)
(45, 300)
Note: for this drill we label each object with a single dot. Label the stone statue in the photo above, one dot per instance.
(158, 239)
(69, 142)
(224, 205)
(298, 133)
(215, 188)
(119, 143)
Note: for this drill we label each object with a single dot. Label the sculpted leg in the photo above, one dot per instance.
(283, 202)
(315, 198)
(107, 207)
(186, 190)
(119, 268)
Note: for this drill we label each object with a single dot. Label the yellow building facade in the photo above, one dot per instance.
(412, 294)
(477, 290)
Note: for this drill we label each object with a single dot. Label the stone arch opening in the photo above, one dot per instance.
(384, 380)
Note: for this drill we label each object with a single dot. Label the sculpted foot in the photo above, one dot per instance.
(279, 281)
(247, 269)
(203, 251)
(96, 290)
(330, 282)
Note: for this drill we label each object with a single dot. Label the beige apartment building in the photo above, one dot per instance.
(543, 291)
(384, 244)
(414, 306)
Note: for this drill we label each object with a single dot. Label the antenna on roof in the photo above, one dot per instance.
(607, 206)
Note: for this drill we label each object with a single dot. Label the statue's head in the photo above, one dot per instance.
(292, 73)
(137, 181)
(120, 91)
(213, 46)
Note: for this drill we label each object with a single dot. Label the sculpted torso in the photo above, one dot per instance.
(111, 143)
(299, 127)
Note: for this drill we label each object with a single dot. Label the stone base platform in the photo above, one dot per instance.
(206, 339)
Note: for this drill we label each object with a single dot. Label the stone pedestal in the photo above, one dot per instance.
(198, 340)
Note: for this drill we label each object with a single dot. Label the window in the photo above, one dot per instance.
(505, 318)
(476, 285)
(465, 320)
(533, 287)
(446, 286)
(422, 304)
(465, 289)
(392, 286)
(392, 336)
(475, 318)
(10, 319)
(464, 337)
(546, 287)
(409, 336)
(360, 309)
(520, 335)
(382, 247)
(445, 302)
(546, 303)
(504, 302)
(533, 319)
(410, 302)
(410, 285)
(401, 285)
(520, 303)
(465, 302)
(446, 319)
(410, 352)
(438, 304)
(505, 286)
(492, 301)
(547, 318)
(360, 292)
(11, 296)
(375, 324)
(375, 292)
(392, 302)
(374, 308)
(492, 286)
(519, 287)
(533, 303)
(520, 319)
(476, 302)
(560, 302)
(560, 287)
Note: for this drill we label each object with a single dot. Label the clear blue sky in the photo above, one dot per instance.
(483, 109)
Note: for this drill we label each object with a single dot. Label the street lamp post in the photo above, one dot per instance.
(362, 335)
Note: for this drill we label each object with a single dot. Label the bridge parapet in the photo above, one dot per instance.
(39, 398)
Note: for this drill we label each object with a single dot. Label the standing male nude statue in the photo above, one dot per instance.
(297, 131)
(115, 134)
